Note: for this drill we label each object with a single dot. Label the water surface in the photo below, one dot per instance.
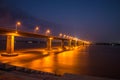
(95, 60)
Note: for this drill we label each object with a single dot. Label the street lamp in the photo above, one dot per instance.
(47, 31)
(67, 36)
(36, 29)
(60, 34)
(18, 23)
(64, 36)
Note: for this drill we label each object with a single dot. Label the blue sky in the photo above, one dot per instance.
(95, 20)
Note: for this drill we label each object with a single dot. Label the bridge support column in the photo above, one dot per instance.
(49, 43)
(9, 46)
(76, 43)
(62, 45)
(70, 45)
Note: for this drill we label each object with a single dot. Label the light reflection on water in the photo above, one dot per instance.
(64, 62)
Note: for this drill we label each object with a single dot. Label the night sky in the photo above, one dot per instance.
(95, 20)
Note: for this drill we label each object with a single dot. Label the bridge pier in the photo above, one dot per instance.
(78, 43)
(62, 45)
(70, 44)
(75, 43)
(9, 46)
(49, 43)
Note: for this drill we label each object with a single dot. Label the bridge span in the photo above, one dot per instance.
(10, 33)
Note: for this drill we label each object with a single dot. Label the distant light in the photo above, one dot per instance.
(67, 36)
(87, 42)
(76, 39)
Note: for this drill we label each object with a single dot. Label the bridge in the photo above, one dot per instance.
(11, 33)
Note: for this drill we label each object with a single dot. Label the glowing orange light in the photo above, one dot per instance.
(51, 38)
(76, 39)
(67, 36)
(64, 36)
(70, 37)
(18, 23)
(87, 42)
(36, 28)
(47, 31)
(16, 31)
(60, 34)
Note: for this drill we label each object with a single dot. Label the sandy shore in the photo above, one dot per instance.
(10, 72)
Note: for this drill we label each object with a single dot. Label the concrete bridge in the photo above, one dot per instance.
(10, 33)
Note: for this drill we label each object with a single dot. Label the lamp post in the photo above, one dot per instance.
(18, 23)
(64, 36)
(47, 31)
(60, 35)
(36, 29)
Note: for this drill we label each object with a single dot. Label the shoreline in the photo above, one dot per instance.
(20, 72)
(10, 72)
